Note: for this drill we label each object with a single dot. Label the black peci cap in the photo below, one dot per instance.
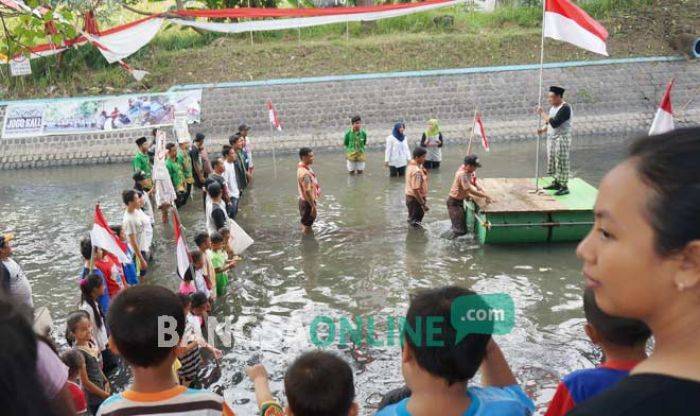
(140, 141)
(557, 90)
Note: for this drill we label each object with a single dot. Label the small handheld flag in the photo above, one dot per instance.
(181, 252)
(273, 116)
(663, 120)
(479, 129)
(103, 237)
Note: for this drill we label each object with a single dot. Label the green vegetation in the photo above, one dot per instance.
(510, 35)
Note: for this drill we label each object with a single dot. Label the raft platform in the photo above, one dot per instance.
(521, 216)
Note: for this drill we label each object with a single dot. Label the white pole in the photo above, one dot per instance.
(471, 136)
(274, 145)
(539, 103)
(251, 32)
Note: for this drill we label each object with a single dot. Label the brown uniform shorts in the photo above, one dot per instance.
(455, 208)
(307, 215)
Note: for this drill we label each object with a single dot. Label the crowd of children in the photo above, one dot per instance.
(641, 264)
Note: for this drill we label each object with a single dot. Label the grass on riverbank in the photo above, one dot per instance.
(506, 36)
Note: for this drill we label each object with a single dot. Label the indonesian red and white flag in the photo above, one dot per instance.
(569, 23)
(663, 120)
(181, 253)
(273, 116)
(479, 129)
(103, 237)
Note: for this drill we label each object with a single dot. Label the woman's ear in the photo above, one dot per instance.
(406, 354)
(288, 411)
(354, 409)
(688, 276)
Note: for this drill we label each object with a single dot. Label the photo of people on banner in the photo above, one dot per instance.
(90, 115)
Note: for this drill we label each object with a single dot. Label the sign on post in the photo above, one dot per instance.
(20, 67)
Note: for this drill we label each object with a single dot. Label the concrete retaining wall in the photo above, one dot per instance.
(608, 98)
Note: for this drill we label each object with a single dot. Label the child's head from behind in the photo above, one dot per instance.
(202, 241)
(197, 259)
(225, 233)
(78, 328)
(607, 330)
(217, 241)
(86, 248)
(91, 287)
(136, 318)
(320, 383)
(75, 361)
(200, 304)
(119, 231)
(432, 351)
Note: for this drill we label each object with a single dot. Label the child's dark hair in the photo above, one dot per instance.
(668, 163)
(216, 238)
(196, 256)
(419, 151)
(226, 149)
(87, 285)
(117, 229)
(624, 332)
(86, 247)
(448, 359)
(319, 383)
(185, 300)
(199, 299)
(133, 321)
(128, 196)
(200, 238)
(74, 360)
(74, 318)
(18, 356)
(223, 231)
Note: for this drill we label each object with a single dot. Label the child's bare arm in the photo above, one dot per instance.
(258, 375)
(494, 369)
(90, 386)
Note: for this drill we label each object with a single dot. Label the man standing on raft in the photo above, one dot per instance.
(558, 129)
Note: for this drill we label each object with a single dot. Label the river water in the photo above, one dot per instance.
(362, 261)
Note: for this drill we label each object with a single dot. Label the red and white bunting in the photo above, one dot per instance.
(663, 120)
(273, 116)
(569, 23)
(103, 237)
(481, 132)
(182, 254)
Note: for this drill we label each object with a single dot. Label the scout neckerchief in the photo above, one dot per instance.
(314, 180)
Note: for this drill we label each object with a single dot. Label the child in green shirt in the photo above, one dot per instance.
(220, 261)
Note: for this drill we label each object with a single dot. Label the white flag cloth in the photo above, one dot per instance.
(165, 192)
(567, 22)
(663, 120)
(273, 116)
(240, 240)
(181, 252)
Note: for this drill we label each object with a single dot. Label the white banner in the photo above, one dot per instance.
(299, 22)
(94, 115)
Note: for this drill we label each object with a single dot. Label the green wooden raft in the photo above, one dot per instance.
(521, 216)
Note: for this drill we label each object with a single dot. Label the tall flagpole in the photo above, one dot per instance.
(274, 145)
(539, 103)
(471, 136)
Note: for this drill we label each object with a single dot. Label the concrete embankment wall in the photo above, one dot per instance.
(609, 98)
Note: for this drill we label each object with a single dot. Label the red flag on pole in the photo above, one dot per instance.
(569, 23)
(273, 116)
(663, 120)
(181, 252)
(103, 237)
(480, 131)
